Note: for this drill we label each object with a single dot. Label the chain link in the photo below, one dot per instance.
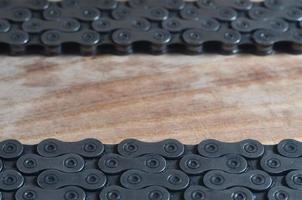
(98, 26)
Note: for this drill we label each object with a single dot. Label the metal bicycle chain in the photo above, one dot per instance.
(167, 170)
(153, 26)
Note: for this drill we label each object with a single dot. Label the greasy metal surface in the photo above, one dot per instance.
(101, 26)
(167, 170)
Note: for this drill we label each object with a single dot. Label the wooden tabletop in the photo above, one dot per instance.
(151, 98)
(190, 98)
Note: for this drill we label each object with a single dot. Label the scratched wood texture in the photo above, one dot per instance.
(151, 98)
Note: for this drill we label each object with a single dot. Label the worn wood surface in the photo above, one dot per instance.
(151, 98)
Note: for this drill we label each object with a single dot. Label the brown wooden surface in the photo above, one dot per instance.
(151, 98)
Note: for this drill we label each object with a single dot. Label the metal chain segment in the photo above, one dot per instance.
(31, 4)
(150, 193)
(294, 179)
(114, 163)
(276, 164)
(83, 14)
(167, 148)
(170, 179)
(254, 180)
(167, 170)
(105, 25)
(246, 25)
(290, 148)
(196, 38)
(90, 179)
(290, 14)
(199, 192)
(10, 180)
(168, 4)
(101, 4)
(97, 26)
(35, 193)
(191, 12)
(178, 25)
(35, 25)
(235, 4)
(86, 148)
(246, 148)
(153, 14)
(16, 15)
(194, 164)
(282, 192)
(10, 149)
(279, 4)
(31, 163)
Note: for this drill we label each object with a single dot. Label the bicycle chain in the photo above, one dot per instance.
(91, 27)
(167, 170)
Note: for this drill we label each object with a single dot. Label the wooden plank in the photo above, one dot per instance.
(151, 98)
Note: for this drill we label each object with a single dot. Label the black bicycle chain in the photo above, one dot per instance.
(90, 27)
(167, 170)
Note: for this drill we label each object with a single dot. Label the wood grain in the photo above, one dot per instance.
(151, 98)
(190, 98)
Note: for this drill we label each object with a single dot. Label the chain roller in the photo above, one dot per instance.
(166, 170)
(96, 26)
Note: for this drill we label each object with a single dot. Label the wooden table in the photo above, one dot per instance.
(151, 98)
(190, 98)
